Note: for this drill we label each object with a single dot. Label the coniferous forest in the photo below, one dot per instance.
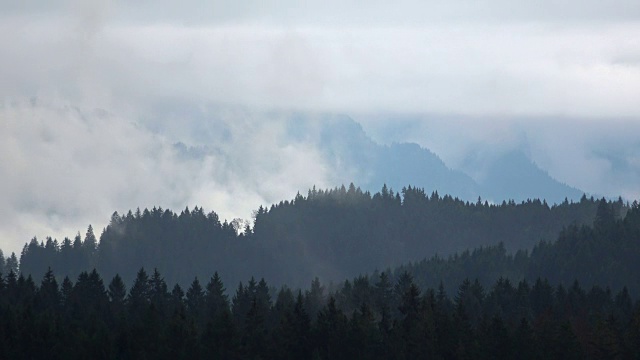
(343, 274)
(333, 234)
(369, 318)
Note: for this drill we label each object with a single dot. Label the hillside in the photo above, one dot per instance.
(330, 234)
(385, 315)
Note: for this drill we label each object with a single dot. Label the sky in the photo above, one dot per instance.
(91, 94)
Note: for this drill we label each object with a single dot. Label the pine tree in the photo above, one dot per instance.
(65, 291)
(159, 294)
(215, 298)
(11, 264)
(314, 298)
(364, 333)
(140, 294)
(49, 293)
(90, 243)
(332, 330)
(383, 294)
(117, 291)
(195, 300)
(240, 305)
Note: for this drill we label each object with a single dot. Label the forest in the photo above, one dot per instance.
(351, 275)
(331, 234)
(368, 319)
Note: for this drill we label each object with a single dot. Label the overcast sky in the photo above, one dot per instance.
(562, 77)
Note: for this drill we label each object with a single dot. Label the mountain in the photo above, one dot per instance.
(350, 155)
(514, 176)
(356, 158)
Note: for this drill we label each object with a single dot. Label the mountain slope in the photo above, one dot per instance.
(331, 234)
(349, 154)
(514, 176)
(356, 158)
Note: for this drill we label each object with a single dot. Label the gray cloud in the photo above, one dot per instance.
(64, 167)
(332, 12)
(95, 141)
(598, 156)
(516, 67)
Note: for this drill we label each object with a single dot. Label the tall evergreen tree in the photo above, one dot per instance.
(215, 298)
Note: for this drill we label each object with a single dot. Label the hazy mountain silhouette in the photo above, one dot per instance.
(513, 175)
(353, 153)
(356, 158)
(353, 156)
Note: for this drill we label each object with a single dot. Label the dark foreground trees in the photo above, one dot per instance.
(371, 320)
(572, 298)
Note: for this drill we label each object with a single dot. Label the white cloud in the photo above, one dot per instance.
(63, 168)
(491, 68)
(598, 156)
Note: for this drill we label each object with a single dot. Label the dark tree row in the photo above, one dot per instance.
(607, 253)
(331, 234)
(381, 320)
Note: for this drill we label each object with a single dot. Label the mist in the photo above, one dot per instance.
(96, 95)
(597, 156)
(64, 168)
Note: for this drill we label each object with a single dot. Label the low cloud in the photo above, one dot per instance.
(598, 156)
(64, 167)
(527, 68)
(92, 92)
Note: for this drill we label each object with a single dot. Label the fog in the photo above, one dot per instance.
(93, 96)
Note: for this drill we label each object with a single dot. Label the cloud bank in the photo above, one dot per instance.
(492, 58)
(598, 156)
(91, 94)
(63, 167)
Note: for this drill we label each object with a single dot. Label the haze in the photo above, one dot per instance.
(95, 95)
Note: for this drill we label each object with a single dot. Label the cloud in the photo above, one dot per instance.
(63, 167)
(332, 12)
(598, 156)
(102, 52)
(108, 78)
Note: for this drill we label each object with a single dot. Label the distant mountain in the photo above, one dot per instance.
(357, 158)
(353, 156)
(514, 176)
(408, 163)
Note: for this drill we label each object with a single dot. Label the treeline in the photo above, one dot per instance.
(608, 252)
(361, 320)
(332, 234)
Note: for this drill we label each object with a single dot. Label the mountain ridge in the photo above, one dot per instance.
(354, 157)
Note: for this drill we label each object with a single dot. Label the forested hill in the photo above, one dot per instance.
(606, 254)
(332, 234)
(382, 316)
